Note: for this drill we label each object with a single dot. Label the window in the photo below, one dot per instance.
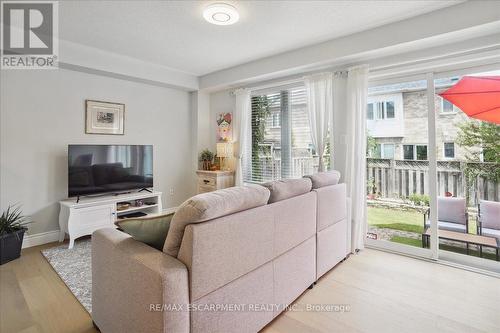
(377, 151)
(421, 152)
(408, 152)
(280, 139)
(388, 151)
(389, 106)
(449, 150)
(381, 110)
(415, 152)
(369, 111)
(447, 106)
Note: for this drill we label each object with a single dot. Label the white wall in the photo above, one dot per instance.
(42, 111)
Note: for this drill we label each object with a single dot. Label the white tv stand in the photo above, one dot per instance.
(82, 218)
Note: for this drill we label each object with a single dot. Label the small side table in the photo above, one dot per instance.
(209, 181)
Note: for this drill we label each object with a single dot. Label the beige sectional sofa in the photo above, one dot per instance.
(232, 260)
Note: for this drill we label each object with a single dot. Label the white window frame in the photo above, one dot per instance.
(380, 110)
(454, 109)
(382, 150)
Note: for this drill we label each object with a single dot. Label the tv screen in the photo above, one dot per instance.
(96, 169)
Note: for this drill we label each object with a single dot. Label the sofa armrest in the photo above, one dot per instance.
(133, 286)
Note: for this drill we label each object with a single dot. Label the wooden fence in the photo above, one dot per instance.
(400, 178)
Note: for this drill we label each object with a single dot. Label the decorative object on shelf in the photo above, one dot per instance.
(122, 206)
(139, 203)
(224, 151)
(12, 229)
(104, 117)
(206, 157)
(224, 127)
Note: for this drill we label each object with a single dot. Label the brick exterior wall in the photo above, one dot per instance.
(415, 125)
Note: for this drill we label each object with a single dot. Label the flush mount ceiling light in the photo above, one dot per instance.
(221, 14)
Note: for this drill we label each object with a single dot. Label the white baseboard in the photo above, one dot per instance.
(53, 236)
(41, 238)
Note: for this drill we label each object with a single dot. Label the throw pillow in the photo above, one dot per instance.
(152, 230)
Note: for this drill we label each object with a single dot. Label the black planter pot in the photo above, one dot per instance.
(10, 246)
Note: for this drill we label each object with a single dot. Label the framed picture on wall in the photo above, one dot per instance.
(224, 127)
(104, 117)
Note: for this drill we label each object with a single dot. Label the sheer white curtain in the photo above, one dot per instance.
(355, 176)
(241, 122)
(350, 90)
(320, 107)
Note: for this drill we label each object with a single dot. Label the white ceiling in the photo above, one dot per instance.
(174, 33)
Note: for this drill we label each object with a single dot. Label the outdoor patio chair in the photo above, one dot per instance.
(488, 218)
(452, 215)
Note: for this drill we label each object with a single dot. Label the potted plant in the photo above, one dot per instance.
(12, 229)
(206, 157)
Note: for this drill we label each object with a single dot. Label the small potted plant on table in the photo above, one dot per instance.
(12, 229)
(206, 157)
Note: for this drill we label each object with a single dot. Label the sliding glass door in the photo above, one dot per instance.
(468, 175)
(433, 173)
(398, 165)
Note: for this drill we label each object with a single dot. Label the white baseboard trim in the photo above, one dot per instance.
(40, 238)
(53, 236)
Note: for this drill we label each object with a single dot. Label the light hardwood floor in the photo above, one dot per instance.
(384, 292)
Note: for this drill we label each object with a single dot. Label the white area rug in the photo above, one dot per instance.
(74, 268)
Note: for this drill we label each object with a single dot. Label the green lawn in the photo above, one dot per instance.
(402, 220)
(396, 219)
(413, 221)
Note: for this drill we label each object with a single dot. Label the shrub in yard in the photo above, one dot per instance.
(419, 199)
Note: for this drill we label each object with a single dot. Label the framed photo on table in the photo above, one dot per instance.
(104, 117)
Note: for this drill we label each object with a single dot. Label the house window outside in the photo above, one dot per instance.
(408, 152)
(421, 152)
(415, 152)
(381, 110)
(388, 151)
(369, 111)
(390, 112)
(447, 106)
(449, 150)
(377, 151)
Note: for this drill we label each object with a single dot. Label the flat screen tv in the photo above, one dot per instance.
(94, 169)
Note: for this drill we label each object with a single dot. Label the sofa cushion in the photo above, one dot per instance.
(452, 210)
(322, 179)
(287, 188)
(151, 231)
(489, 214)
(211, 205)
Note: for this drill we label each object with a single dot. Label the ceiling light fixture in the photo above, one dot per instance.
(221, 14)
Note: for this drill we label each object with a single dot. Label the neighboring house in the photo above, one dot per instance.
(397, 120)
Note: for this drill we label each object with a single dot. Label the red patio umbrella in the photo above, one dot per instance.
(477, 96)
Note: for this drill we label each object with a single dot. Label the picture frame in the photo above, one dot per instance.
(104, 117)
(224, 127)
